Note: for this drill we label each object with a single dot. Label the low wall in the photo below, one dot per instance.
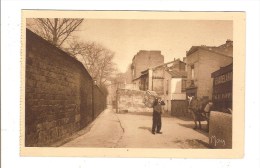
(131, 101)
(220, 130)
(59, 94)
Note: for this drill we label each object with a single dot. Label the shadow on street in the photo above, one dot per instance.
(140, 113)
(192, 143)
(166, 115)
(191, 126)
(184, 118)
(146, 128)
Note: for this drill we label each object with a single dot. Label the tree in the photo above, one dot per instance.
(55, 30)
(97, 59)
(119, 78)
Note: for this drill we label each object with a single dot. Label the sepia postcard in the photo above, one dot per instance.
(132, 84)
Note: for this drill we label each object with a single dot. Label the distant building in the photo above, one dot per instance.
(144, 60)
(128, 75)
(201, 62)
(167, 80)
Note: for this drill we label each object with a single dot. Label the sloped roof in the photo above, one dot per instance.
(177, 74)
(137, 78)
(222, 49)
(163, 65)
(222, 70)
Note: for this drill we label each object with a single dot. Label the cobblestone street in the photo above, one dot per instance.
(133, 130)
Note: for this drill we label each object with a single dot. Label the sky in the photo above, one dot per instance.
(172, 37)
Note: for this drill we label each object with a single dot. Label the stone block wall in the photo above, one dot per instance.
(220, 130)
(99, 101)
(58, 94)
(131, 101)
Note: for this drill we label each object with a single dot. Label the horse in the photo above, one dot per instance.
(199, 108)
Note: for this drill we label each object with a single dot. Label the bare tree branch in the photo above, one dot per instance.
(55, 30)
(97, 59)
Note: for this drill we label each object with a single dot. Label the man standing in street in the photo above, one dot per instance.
(157, 119)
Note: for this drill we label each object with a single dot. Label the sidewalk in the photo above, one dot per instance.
(105, 131)
(134, 131)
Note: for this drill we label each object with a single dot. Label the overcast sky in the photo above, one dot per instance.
(172, 37)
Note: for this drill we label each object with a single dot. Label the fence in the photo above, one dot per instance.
(60, 97)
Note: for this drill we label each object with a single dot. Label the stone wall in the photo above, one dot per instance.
(100, 101)
(220, 130)
(131, 101)
(58, 94)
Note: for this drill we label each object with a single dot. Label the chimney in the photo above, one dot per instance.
(229, 42)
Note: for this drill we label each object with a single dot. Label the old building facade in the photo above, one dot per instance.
(175, 88)
(201, 62)
(144, 60)
(222, 88)
(167, 80)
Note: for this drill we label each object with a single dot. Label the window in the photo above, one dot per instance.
(167, 87)
(192, 72)
(183, 85)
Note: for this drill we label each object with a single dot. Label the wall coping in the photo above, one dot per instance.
(30, 34)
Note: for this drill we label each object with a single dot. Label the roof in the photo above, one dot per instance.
(137, 78)
(162, 65)
(222, 49)
(146, 51)
(222, 70)
(178, 74)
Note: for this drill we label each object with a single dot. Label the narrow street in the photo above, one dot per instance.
(129, 130)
